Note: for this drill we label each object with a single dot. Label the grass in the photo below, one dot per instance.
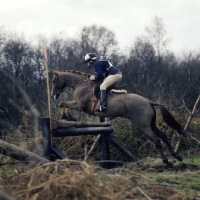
(184, 176)
(193, 160)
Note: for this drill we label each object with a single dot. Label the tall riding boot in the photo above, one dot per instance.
(103, 102)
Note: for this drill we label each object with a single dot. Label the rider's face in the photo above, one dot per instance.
(89, 63)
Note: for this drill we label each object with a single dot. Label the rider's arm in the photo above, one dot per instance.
(99, 72)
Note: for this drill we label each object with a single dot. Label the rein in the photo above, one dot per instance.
(86, 80)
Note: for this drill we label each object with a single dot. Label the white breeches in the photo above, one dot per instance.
(111, 80)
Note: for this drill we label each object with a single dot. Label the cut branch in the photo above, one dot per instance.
(188, 122)
(93, 147)
(192, 113)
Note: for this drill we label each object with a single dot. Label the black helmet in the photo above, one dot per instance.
(89, 56)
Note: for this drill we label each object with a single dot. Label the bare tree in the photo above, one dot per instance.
(141, 66)
(156, 33)
(99, 40)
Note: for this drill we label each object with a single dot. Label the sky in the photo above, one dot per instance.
(126, 18)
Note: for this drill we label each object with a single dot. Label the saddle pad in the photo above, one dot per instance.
(118, 91)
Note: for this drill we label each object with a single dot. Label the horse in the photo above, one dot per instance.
(139, 110)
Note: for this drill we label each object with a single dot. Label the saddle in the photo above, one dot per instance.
(116, 90)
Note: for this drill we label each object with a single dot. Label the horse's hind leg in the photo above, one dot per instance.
(157, 143)
(164, 138)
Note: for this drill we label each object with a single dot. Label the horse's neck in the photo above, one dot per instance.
(72, 80)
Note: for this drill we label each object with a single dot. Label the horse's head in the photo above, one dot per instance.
(69, 78)
(57, 85)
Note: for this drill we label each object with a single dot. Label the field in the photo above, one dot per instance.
(69, 179)
(185, 176)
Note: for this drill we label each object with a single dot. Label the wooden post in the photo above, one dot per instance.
(46, 136)
(50, 151)
(105, 148)
(48, 92)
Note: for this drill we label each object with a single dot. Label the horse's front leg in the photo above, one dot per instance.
(70, 104)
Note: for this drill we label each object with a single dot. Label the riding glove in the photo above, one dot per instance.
(92, 77)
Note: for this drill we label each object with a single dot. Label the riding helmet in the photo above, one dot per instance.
(89, 56)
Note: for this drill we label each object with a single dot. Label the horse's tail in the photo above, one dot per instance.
(169, 119)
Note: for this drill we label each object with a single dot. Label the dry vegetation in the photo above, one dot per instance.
(68, 179)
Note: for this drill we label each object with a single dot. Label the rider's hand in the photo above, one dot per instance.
(92, 78)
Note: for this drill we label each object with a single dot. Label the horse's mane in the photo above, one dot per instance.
(76, 72)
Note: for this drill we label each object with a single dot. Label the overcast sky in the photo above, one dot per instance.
(126, 18)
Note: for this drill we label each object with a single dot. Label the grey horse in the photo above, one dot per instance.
(134, 107)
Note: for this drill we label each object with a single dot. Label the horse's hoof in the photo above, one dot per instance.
(170, 164)
(179, 158)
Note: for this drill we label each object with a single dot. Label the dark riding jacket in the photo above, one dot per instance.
(104, 68)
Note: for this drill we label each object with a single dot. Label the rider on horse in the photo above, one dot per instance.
(106, 72)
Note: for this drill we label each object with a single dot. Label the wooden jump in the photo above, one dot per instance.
(63, 128)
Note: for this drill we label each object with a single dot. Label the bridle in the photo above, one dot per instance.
(57, 91)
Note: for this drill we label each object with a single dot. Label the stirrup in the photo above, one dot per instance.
(100, 109)
(103, 109)
(97, 109)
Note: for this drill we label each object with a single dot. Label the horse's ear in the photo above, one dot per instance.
(54, 71)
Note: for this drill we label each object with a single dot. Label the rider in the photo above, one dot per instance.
(105, 71)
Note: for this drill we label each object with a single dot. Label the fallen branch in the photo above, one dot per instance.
(20, 154)
(13, 163)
